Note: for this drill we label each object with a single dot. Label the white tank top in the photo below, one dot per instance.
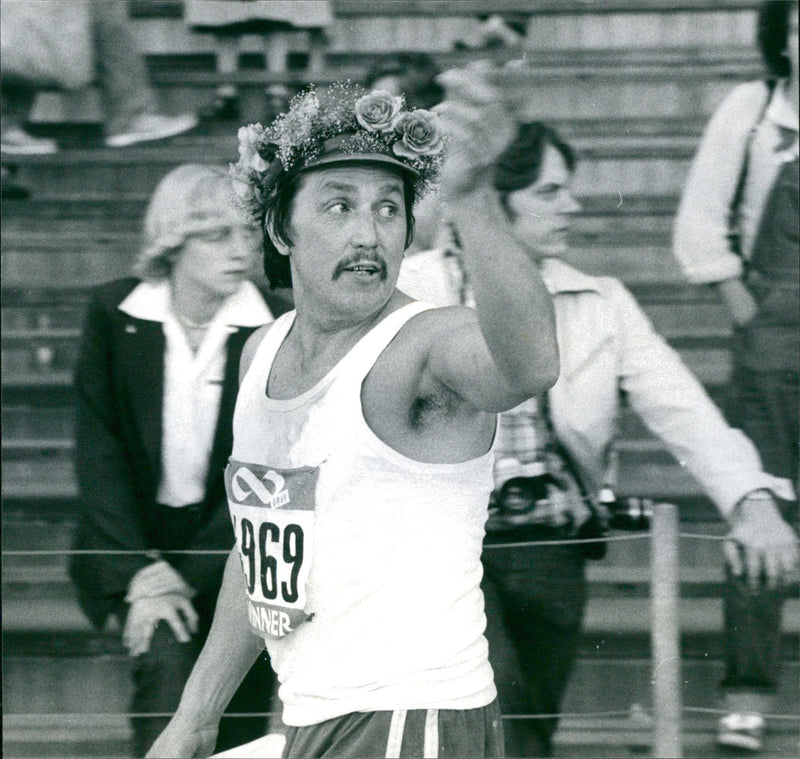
(362, 566)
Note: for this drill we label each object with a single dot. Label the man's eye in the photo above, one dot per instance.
(388, 211)
(338, 208)
(217, 235)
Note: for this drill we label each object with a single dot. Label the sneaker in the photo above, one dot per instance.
(152, 126)
(9, 189)
(742, 731)
(221, 108)
(497, 32)
(16, 141)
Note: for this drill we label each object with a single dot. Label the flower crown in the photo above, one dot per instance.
(342, 123)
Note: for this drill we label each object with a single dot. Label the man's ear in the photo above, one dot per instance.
(269, 229)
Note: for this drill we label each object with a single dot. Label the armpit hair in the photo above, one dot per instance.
(430, 407)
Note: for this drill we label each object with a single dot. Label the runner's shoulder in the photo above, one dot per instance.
(250, 348)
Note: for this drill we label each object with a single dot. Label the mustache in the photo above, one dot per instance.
(370, 257)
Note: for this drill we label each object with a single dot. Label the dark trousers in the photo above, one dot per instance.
(535, 599)
(160, 675)
(764, 405)
(16, 101)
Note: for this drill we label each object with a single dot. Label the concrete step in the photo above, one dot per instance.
(173, 9)
(637, 165)
(35, 552)
(631, 57)
(117, 213)
(694, 93)
(422, 25)
(577, 738)
(37, 586)
(65, 737)
(675, 314)
(77, 135)
(71, 674)
(50, 474)
(32, 422)
(24, 384)
(25, 253)
(43, 477)
(38, 353)
(28, 372)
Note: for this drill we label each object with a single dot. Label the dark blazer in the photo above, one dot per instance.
(119, 383)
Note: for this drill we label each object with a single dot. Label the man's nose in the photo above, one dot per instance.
(570, 203)
(365, 230)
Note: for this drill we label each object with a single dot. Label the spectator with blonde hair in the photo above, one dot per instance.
(156, 383)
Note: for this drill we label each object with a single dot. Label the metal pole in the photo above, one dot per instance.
(665, 632)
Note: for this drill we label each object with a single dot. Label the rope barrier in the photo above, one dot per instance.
(620, 713)
(614, 538)
(116, 552)
(571, 541)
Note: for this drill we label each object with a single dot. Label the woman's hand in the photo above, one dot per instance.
(145, 614)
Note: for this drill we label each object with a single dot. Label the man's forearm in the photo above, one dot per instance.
(515, 310)
(229, 652)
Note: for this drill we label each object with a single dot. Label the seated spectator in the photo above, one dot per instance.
(495, 30)
(228, 20)
(412, 75)
(131, 113)
(551, 451)
(737, 231)
(156, 382)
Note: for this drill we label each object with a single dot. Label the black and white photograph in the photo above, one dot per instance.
(400, 379)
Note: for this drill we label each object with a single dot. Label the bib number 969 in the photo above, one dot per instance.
(271, 558)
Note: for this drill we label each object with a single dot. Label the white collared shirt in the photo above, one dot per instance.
(701, 236)
(607, 344)
(192, 383)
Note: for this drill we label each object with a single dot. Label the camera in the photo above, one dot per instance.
(630, 513)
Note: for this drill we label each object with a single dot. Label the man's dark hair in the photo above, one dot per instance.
(277, 216)
(520, 164)
(773, 33)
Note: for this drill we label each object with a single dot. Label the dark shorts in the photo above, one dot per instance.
(456, 733)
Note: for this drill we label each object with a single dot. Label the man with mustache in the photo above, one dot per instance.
(370, 417)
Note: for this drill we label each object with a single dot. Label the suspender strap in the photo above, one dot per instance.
(734, 232)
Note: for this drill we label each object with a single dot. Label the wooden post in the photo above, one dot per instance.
(665, 632)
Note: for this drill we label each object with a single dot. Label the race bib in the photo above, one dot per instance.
(272, 511)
